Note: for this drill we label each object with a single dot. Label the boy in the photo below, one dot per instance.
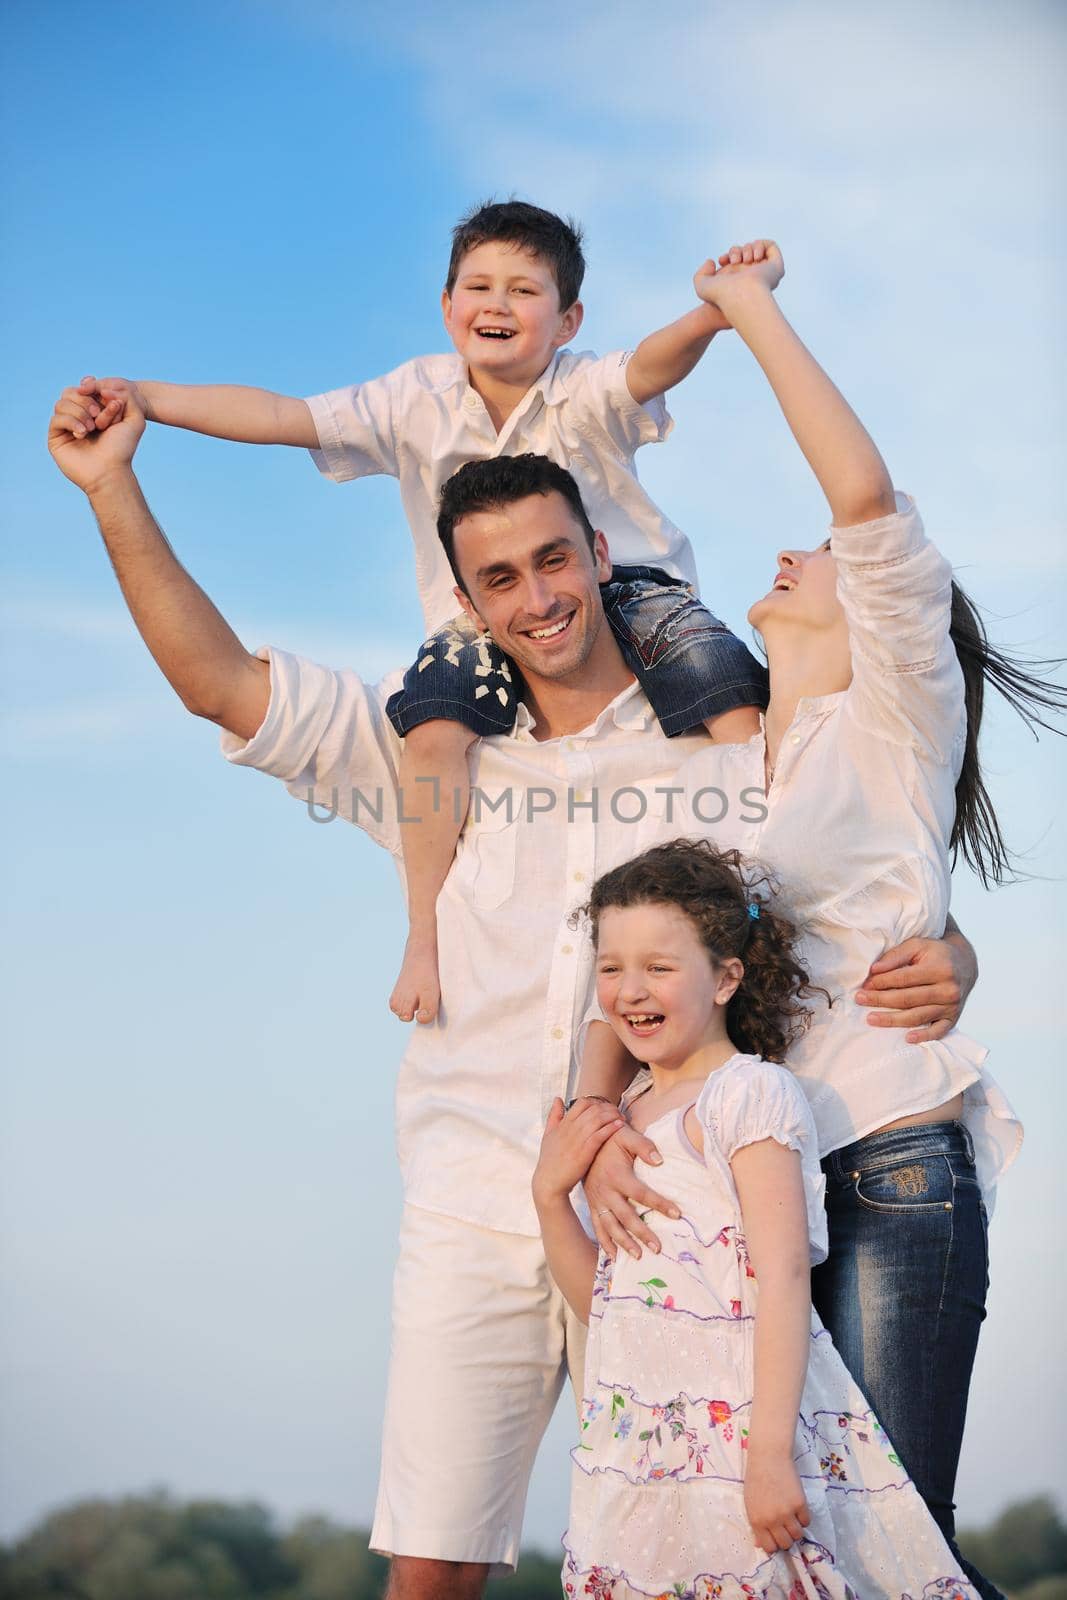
(510, 305)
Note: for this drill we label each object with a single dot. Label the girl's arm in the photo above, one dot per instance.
(770, 1187)
(570, 1142)
(837, 446)
(225, 411)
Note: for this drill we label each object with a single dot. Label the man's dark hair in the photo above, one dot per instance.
(552, 240)
(488, 485)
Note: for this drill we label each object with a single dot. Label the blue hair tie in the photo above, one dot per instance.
(753, 910)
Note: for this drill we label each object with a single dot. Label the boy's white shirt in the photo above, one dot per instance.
(423, 421)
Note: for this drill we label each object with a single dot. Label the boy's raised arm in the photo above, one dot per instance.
(223, 410)
(670, 354)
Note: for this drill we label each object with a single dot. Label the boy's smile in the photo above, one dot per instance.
(504, 316)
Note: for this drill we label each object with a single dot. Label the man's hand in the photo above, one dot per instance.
(91, 438)
(570, 1141)
(923, 984)
(613, 1194)
(717, 282)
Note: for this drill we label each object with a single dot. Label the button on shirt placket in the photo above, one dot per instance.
(576, 777)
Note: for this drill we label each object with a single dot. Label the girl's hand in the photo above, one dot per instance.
(717, 282)
(774, 1502)
(571, 1140)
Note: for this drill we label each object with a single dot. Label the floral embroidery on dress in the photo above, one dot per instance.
(602, 1276)
(734, 1236)
(657, 1510)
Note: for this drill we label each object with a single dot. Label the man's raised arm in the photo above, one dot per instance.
(194, 646)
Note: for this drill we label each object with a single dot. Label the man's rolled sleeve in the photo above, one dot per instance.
(328, 739)
(603, 397)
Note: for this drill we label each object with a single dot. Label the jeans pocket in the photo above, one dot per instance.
(906, 1186)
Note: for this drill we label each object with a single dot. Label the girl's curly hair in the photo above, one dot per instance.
(729, 900)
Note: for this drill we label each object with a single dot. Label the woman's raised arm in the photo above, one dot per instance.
(838, 448)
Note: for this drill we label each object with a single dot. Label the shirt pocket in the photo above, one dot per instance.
(489, 850)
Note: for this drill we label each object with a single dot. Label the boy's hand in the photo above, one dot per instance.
(571, 1140)
(87, 458)
(98, 391)
(715, 282)
(775, 1503)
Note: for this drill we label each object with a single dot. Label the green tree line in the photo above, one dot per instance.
(153, 1547)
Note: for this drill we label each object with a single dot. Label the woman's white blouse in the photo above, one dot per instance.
(855, 826)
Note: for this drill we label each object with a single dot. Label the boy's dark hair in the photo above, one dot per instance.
(729, 901)
(487, 485)
(554, 241)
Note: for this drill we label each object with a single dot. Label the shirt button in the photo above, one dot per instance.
(794, 738)
(557, 1033)
(568, 950)
(579, 877)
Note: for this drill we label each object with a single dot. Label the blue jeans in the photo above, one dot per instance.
(903, 1295)
(689, 664)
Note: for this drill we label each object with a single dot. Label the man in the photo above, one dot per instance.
(480, 1334)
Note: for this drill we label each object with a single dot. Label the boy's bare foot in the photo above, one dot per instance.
(417, 991)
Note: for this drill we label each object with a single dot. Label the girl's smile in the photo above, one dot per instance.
(661, 990)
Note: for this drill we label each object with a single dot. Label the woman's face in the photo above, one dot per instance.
(804, 593)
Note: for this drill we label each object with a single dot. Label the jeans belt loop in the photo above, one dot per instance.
(968, 1142)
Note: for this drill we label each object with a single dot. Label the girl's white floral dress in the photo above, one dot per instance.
(657, 1504)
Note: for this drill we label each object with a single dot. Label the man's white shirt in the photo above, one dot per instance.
(475, 1088)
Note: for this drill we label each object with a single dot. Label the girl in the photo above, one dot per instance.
(868, 757)
(725, 1451)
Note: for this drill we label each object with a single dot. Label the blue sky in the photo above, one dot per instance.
(198, 1200)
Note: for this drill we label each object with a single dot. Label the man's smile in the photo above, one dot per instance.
(550, 630)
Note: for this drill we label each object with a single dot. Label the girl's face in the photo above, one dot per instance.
(658, 986)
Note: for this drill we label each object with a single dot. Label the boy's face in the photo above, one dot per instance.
(503, 314)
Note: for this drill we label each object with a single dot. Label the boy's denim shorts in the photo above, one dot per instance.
(689, 664)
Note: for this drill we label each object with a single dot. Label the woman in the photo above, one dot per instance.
(868, 756)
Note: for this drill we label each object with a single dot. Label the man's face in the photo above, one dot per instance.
(503, 314)
(533, 582)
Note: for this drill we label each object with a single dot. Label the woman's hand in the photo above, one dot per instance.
(570, 1141)
(775, 1503)
(718, 283)
(613, 1194)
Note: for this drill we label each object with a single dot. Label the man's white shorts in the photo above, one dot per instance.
(481, 1339)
